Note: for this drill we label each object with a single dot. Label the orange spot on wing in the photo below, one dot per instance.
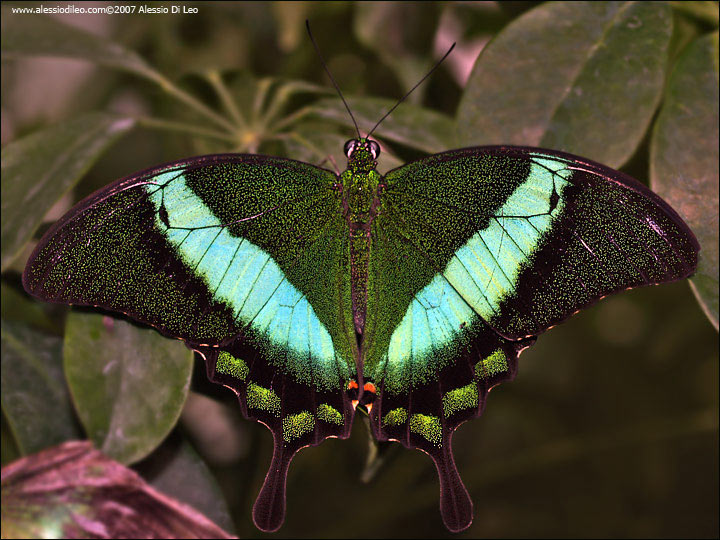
(369, 387)
(352, 385)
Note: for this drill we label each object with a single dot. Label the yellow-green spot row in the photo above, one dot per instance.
(228, 364)
(465, 397)
(295, 425)
(492, 365)
(395, 417)
(428, 427)
(329, 414)
(263, 398)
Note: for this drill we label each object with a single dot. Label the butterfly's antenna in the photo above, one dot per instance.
(413, 88)
(322, 61)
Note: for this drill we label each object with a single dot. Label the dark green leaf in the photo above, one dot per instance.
(34, 397)
(18, 307)
(684, 158)
(584, 77)
(129, 384)
(39, 169)
(9, 450)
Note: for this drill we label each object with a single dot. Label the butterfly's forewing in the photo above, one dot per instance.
(245, 258)
(477, 251)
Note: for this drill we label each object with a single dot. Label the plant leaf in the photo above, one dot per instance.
(684, 158)
(74, 491)
(411, 125)
(9, 450)
(584, 77)
(284, 90)
(179, 472)
(129, 384)
(39, 169)
(19, 308)
(702, 10)
(40, 35)
(34, 396)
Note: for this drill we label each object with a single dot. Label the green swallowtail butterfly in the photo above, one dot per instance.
(409, 295)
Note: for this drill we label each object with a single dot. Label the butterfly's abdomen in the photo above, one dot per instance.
(361, 204)
(359, 258)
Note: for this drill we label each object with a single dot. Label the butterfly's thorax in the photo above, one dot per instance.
(360, 201)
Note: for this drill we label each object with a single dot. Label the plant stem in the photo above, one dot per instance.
(292, 118)
(189, 100)
(228, 102)
(160, 123)
(263, 86)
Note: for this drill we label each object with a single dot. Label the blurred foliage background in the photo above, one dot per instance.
(611, 427)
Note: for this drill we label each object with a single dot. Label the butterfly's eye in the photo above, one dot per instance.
(374, 149)
(350, 147)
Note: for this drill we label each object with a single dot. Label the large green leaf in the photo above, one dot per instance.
(129, 384)
(684, 157)
(40, 35)
(34, 397)
(584, 77)
(409, 124)
(39, 169)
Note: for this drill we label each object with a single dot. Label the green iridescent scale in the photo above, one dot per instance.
(311, 294)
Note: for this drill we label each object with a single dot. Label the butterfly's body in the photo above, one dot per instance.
(413, 293)
(360, 184)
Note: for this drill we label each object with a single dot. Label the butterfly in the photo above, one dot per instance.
(408, 295)
(314, 294)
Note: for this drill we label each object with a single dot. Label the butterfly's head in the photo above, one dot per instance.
(362, 154)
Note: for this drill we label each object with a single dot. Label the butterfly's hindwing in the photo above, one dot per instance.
(424, 413)
(297, 413)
